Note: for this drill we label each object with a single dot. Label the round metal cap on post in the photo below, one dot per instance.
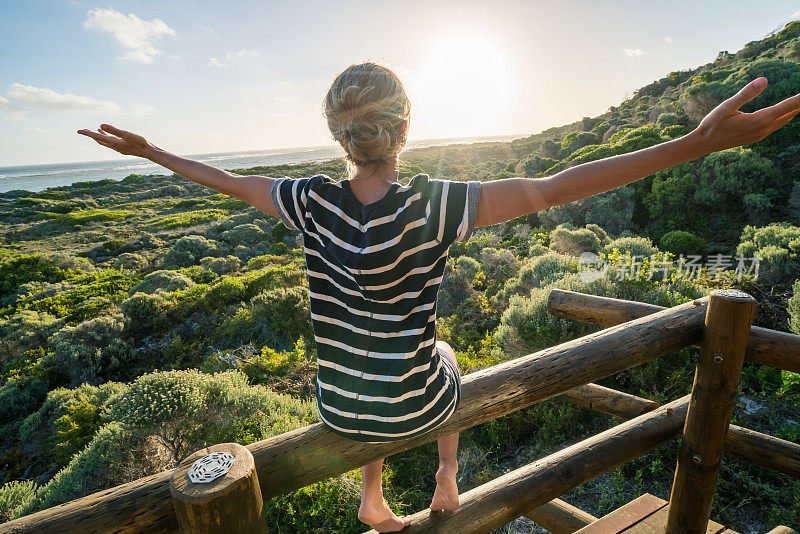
(215, 491)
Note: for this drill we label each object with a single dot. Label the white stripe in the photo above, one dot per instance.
(385, 434)
(428, 244)
(377, 355)
(371, 398)
(380, 316)
(412, 272)
(362, 331)
(323, 276)
(355, 224)
(386, 419)
(462, 227)
(372, 248)
(365, 376)
(296, 207)
(312, 252)
(282, 207)
(442, 209)
(402, 296)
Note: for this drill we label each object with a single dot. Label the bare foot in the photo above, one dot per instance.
(379, 516)
(446, 495)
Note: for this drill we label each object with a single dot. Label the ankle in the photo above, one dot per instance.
(448, 461)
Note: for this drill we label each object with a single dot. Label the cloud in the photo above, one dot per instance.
(795, 15)
(206, 29)
(668, 39)
(633, 52)
(20, 98)
(137, 36)
(242, 53)
(214, 62)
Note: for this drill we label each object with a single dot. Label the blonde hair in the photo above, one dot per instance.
(366, 107)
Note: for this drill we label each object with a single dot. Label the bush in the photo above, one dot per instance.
(778, 246)
(190, 218)
(92, 351)
(574, 242)
(131, 260)
(189, 249)
(221, 265)
(682, 242)
(164, 280)
(245, 234)
(636, 246)
(226, 291)
(81, 217)
(794, 309)
(144, 311)
(15, 494)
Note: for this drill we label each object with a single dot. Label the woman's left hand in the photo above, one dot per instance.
(727, 127)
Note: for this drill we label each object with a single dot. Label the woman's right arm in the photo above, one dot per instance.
(255, 190)
(725, 127)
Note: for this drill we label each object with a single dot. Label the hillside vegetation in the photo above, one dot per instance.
(143, 319)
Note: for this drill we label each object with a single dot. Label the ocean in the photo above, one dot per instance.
(39, 177)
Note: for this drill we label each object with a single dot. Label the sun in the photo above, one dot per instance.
(462, 87)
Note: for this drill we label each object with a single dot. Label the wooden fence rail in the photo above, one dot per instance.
(765, 346)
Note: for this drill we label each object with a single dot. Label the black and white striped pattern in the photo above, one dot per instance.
(373, 274)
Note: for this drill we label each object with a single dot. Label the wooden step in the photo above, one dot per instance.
(645, 515)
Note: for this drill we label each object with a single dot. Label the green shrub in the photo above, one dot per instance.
(15, 494)
(92, 350)
(668, 119)
(190, 218)
(778, 246)
(18, 270)
(245, 234)
(131, 260)
(682, 242)
(275, 318)
(226, 291)
(144, 311)
(636, 246)
(794, 308)
(81, 217)
(108, 283)
(165, 280)
(221, 266)
(574, 242)
(188, 250)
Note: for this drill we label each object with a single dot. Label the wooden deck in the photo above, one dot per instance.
(645, 515)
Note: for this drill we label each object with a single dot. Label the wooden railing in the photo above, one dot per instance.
(637, 333)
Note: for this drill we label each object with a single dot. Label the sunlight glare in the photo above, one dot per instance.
(462, 87)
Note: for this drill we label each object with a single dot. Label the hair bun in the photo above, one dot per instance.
(365, 109)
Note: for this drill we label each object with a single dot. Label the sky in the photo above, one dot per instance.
(207, 76)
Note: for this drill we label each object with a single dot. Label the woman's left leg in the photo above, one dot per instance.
(374, 511)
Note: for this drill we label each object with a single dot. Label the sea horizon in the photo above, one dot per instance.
(39, 177)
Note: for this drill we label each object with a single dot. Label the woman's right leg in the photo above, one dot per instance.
(373, 510)
(445, 497)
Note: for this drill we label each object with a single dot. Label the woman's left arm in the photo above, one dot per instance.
(255, 190)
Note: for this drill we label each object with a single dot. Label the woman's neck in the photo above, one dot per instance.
(386, 173)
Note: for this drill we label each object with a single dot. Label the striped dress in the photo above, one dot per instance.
(373, 275)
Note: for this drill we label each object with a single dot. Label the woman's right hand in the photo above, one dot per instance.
(124, 142)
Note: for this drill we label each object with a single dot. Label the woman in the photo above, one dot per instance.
(375, 253)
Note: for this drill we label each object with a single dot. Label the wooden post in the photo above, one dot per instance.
(230, 504)
(716, 380)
